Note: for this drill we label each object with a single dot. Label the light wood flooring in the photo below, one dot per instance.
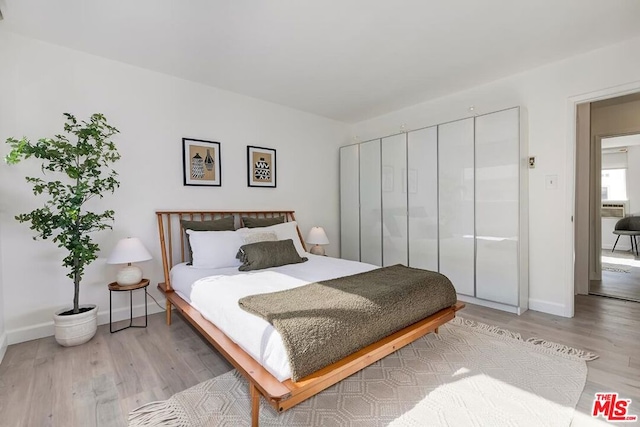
(97, 384)
(618, 284)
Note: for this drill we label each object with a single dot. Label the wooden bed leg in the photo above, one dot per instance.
(168, 307)
(436, 330)
(255, 405)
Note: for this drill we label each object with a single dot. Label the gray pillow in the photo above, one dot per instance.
(222, 224)
(256, 256)
(262, 222)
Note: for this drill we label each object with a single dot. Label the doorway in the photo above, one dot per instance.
(620, 218)
(608, 197)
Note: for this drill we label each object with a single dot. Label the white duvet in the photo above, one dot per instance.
(216, 298)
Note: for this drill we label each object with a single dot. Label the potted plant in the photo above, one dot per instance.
(83, 169)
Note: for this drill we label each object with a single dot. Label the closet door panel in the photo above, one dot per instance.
(456, 204)
(497, 206)
(394, 200)
(422, 184)
(370, 203)
(349, 203)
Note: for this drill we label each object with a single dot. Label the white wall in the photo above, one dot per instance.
(5, 113)
(545, 94)
(3, 335)
(633, 178)
(619, 118)
(633, 196)
(153, 112)
(614, 161)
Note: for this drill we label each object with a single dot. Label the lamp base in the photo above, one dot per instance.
(317, 250)
(129, 275)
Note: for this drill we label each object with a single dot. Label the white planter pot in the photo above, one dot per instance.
(75, 329)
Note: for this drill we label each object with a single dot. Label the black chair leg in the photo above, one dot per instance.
(614, 245)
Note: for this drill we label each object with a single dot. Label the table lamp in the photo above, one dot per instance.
(127, 251)
(317, 237)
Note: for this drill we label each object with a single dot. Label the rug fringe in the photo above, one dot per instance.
(564, 349)
(156, 413)
(539, 343)
(487, 328)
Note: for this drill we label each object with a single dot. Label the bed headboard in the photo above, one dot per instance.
(173, 244)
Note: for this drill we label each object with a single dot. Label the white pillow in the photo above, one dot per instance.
(215, 249)
(284, 231)
(253, 235)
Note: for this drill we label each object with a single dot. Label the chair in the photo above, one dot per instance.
(628, 226)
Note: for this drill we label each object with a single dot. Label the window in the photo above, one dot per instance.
(614, 184)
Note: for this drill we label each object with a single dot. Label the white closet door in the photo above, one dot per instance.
(422, 167)
(349, 203)
(497, 194)
(394, 200)
(370, 203)
(455, 195)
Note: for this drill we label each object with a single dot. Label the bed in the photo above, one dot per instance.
(265, 370)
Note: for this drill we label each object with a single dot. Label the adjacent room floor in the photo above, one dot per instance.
(98, 383)
(620, 276)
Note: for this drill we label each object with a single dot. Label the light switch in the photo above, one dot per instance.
(551, 182)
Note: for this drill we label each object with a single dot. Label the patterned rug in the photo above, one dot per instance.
(470, 374)
(616, 268)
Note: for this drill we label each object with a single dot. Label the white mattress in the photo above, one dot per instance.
(183, 276)
(216, 298)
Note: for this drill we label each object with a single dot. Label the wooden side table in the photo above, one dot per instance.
(114, 287)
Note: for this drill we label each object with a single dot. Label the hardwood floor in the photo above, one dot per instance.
(624, 283)
(97, 384)
(608, 327)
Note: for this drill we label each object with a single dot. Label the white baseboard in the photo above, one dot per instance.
(534, 304)
(490, 304)
(547, 307)
(28, 333)
(4, 343)
(46, 329)
(123, 313)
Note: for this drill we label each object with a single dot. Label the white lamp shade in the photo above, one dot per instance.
(128, 250)
(317, 236)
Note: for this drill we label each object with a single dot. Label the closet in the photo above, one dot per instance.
(448, 198)
(370, 203)
(456, 208)
(394, 200)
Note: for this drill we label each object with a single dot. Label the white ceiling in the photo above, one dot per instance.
(344, 59)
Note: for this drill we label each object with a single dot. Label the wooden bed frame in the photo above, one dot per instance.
(286, 394)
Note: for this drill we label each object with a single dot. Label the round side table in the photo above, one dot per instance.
(114, 287)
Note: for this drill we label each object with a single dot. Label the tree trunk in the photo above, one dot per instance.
(76, 260)
(76, 286)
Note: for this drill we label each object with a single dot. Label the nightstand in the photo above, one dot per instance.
(114, 287)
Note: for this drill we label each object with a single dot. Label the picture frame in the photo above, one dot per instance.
(201, 162)
(261, 167)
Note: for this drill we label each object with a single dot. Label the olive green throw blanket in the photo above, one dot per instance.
(321, 323)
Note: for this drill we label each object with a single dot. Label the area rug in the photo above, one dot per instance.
(616, 268)
(470, 374)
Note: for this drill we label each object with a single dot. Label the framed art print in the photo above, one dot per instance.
(261, 167)
(201, 162)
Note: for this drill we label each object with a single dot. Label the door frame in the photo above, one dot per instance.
(571, 147)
